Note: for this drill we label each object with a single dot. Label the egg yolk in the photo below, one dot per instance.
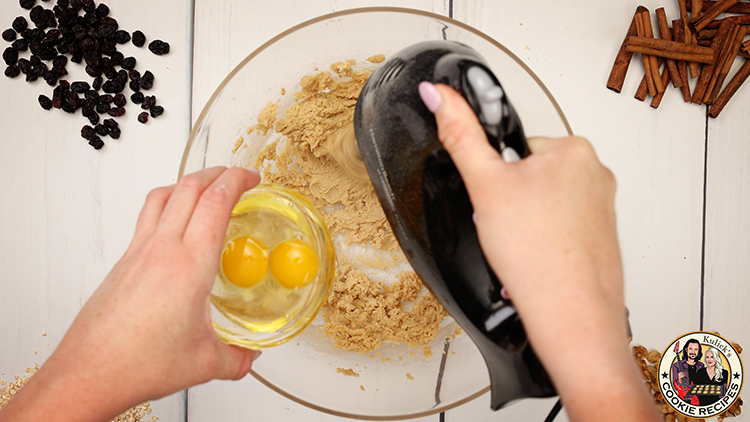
(293, 263)
(245, 261)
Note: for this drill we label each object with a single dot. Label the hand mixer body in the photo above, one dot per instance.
(427, 205)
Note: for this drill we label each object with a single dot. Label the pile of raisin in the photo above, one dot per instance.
(82, 32)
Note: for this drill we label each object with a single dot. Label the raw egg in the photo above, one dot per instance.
(244, 261)
(293, 263)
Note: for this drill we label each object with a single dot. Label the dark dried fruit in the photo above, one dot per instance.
(79, 87)
(134, 86)
(20, 24)
(134, 75)
(88, 133)
(92, 71)
(101, 130)
(106, 98)
(36, 14)
(122, 36)
(9, 34)
(110, 123)
(24, 66)
(60, 61)
(97, 83)
(93, 118)
(114, 133)
(20, 44)
(27, 4)
(119, 100)
(97, 143)
(128, 63)
(102, 108)
(116, 112)
(158, 47)
(10, 55)
(138, 39)
(156, 111)
(45, 102)
(147, 80)
(137, 98)
(148, 102)
(143, 117)
(102, 10)
(12, 71)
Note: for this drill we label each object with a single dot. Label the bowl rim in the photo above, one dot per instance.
(328, 16)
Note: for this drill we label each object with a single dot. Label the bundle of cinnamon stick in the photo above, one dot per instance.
(701, 45)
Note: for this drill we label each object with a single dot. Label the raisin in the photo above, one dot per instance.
(138, 39)
(12, 71)
(148, 102)
(92, 71)
(147, 80)
(107, 27)
(137, 98)
(20, 24)
(73, 99)
(45, 102)
(101, 130)
(106, 98)
(97, 143)
(119, 100)
(128, 63)
(63, 3)
(143, 117)
(102, 10)
(20, 44)
(102, 108)
(88, 5)
(92, 96)
(88, 133)
(52, 36)
(27, 4)
(156, 111)
(116, 112)
(67, 107)
(93, 118)
(134, 86)
(114, 133)
(37, 13)
(60, 61)
(110, 123)
(97, 83)
(24, 66)
(122, 37)
(9, 34)
(134, 75)
(79, 87)
(10, 55)
(159, 47)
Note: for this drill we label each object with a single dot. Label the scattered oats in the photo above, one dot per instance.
(347, 372)
(238, 144)
(378, 58)
(386, 360)
(362, 387)
(410, 376)
(283, 91)
(427, 351)
(44, 334)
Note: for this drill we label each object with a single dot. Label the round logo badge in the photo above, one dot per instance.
(700, 375)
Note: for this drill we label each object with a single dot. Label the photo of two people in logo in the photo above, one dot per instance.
(690, 371)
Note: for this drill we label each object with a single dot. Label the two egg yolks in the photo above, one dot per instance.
(246, 262)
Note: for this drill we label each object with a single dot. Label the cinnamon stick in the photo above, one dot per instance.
(741, 7)
(665, 80)
(688, 35)
(726, 62)
(666, 34)
(745, 48)
(641, 31)
(681, 64)
(698, 56)
(732, 87)
(649, 33)
(697, 9)
(739, 20)
(719, 64)
(720, 7)
(622, 61)
(642, 92)
(705, 77)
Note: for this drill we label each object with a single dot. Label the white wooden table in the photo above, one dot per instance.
(68, 212)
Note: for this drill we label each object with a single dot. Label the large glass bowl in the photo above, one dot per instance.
(395, 382)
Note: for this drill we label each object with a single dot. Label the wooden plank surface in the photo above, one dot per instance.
(68, 211)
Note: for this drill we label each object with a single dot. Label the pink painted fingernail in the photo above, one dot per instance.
(430, 96)
(474, 218)
(504, 293)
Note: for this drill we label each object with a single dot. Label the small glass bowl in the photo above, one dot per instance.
(269, 314)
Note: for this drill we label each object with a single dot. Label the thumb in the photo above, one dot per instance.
(461, 134)
(236, 362)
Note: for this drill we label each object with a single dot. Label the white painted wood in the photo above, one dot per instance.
(68, 211)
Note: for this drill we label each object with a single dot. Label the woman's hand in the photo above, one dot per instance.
(146, 332)
(547, 227)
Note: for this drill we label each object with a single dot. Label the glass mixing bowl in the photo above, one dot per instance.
(396, 381)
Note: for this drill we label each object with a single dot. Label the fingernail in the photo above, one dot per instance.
(474, 218)
(430, 96)
(254, 171)
(504, 293)
(257, 355)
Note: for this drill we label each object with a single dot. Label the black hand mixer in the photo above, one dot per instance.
(426, 203)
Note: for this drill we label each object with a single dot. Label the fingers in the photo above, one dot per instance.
(209, 220)
(461, 135)
(184, 198)
(235, 362)
(151, 213)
